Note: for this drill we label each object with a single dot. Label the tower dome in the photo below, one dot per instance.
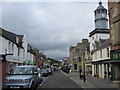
(100, 6)
(101, 21)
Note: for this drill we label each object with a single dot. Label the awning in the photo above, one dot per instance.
(110, 61)
(100, 61)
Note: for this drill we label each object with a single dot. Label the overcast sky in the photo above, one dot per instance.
(50, 26)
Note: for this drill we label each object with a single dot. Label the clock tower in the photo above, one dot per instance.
(101, 21)
(101, 31)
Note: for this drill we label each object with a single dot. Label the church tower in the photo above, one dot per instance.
(101, 31)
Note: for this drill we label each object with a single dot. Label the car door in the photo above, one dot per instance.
(35, 75)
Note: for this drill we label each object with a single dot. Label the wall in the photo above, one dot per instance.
(96, 37)
(25, 46)
(97, 54)
(0, 44)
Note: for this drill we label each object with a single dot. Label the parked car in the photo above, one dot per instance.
(40, 75)
(25, 76)
(49, 70)
(45, 73)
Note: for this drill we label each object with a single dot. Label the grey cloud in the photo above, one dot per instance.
(52, 27)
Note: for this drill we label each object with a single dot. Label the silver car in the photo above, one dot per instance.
(25, 76)
(40, 75)
(49, 70)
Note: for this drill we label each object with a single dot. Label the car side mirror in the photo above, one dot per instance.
(35, 73)
(8, 73)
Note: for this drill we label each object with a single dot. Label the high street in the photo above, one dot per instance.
(58, 80)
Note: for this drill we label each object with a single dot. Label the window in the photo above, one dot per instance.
(5, 51)
(12, 48)
(9, 47)
(18, 51)
(79, 59)
(78, 50)
(108, 52)
(101, 53)
(75, 50)
(23, 53)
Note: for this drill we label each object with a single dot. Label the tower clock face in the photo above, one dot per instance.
(103, 15)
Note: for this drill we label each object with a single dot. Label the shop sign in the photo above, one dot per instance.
(29, 61)
(115, 55)
(12, 58)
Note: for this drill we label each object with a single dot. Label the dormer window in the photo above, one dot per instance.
(17, 39)
(9, 45)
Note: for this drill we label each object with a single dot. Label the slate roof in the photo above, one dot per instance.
(100, 6)
(11, 36)
(105, 44)
(8, 35)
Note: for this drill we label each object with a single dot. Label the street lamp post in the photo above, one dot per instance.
(84, 77)
(80, 72)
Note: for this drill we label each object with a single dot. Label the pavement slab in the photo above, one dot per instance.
(91, 82)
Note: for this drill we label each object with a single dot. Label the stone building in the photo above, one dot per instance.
(78, 53)
(114, 21)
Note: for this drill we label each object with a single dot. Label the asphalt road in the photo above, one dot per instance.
(58, 80)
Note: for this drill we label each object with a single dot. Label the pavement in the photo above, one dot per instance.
(91, 82)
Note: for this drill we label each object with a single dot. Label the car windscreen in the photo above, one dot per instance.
(44, 70)
(22, 71)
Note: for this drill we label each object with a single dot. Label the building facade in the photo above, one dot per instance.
(100, 45)
(77, 54)
(13, 50)
(114, 20)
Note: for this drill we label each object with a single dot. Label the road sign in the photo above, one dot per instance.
(84, 59)
(80, 63)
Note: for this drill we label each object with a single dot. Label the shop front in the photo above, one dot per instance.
(102, 69)
(2, 67)
(12, 61)
(115, 61)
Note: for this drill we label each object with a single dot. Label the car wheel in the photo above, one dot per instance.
(36, 85)
(32, 87)
(41, 81)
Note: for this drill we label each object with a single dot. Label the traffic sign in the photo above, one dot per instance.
(80, 63)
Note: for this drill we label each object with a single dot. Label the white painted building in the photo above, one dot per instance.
(14, 47)
(100, 67)
(30, 55)
(100, 44)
